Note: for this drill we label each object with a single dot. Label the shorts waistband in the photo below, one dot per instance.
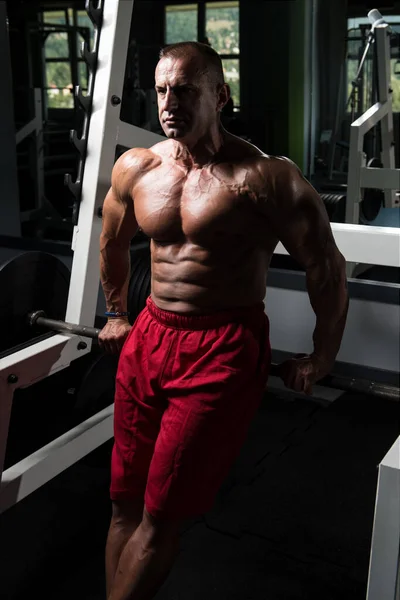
(208, 321)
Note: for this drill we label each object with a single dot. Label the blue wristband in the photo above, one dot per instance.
(116, 314)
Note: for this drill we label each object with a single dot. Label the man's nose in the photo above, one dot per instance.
(170, 101)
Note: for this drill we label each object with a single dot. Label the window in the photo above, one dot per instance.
(222, 31)
(358, 29)
(181, 23)
(216, 23)
(64, 31)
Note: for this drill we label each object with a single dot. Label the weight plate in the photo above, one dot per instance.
(335, 205)
(139, 283)
(30, 281)
(97, 387)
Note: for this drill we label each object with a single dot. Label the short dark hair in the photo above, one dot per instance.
(211, 58)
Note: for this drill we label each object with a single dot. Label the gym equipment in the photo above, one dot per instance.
(39, 279)
(38, 318)
(335, 199)
(28, 280)
(335, 205)
(96, 386)
(86, 102)
(372, 183)
(139, 283)
(337, 382)
(373, 198)
(42, 282)
(360, 176)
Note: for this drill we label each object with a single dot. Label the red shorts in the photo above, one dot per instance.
(187, 389)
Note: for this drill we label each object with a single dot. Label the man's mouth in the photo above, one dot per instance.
(174, 121)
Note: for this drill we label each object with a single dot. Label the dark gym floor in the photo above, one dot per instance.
(292, 521)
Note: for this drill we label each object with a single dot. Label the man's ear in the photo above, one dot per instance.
(223, 96)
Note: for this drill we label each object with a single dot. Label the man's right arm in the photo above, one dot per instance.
(119, 227)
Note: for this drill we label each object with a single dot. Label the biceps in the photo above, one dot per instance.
(119, 222)
(306, 233)
(328, 269)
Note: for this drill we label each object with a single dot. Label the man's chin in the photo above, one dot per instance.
(176, 133)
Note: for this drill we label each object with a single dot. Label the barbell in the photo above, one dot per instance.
(38, 318)
(38, 279)
(338, 382)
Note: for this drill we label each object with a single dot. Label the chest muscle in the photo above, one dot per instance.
(170, 206)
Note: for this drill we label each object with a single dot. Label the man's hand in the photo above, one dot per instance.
(301, 372)
(113, 335)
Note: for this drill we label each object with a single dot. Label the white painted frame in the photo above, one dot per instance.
(384, 568)
(46, 357)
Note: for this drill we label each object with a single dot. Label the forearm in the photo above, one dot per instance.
(115, 275)
(329, 299)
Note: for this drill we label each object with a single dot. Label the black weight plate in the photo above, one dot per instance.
(30, 281)
(139, 283)
(97, 387)
(335, 205)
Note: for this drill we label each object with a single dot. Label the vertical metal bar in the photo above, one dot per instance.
(201, 21)
(72, 42)
(6, 399)
(338, 122)
(39, 148)
(356, 161)
(382, 34)
(9, 199)
(360, 88)
(103, 130)
(310, 87)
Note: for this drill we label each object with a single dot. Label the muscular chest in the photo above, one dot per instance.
(199, 205)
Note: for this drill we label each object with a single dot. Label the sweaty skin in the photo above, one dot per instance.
(215, 207)
(214, 229)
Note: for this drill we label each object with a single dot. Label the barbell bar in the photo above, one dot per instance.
(38, 318)
(338, 382)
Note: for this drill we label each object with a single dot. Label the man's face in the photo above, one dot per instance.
(188, 101)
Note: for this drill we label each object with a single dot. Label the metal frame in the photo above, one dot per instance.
(384, 569)
(360, 176)
(365, 244)
(41, 359)
(35, 126)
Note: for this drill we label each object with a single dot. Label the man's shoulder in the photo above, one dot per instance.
(276, 166)
(137, 159)
(266, 164)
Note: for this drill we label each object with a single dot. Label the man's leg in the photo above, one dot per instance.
(126, 518)
(146, 559)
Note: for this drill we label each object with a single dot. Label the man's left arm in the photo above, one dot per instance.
(300, 221)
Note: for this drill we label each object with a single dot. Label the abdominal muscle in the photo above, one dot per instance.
(187, 278)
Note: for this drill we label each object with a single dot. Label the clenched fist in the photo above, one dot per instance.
(113, 335)
(302, 371)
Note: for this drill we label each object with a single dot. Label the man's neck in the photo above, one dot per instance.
(202, 152)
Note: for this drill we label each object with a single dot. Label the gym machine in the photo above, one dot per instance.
(34, 360)
(360, 176)
(373, 183)
(28, 363)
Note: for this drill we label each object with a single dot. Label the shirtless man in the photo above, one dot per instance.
(194, 366)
